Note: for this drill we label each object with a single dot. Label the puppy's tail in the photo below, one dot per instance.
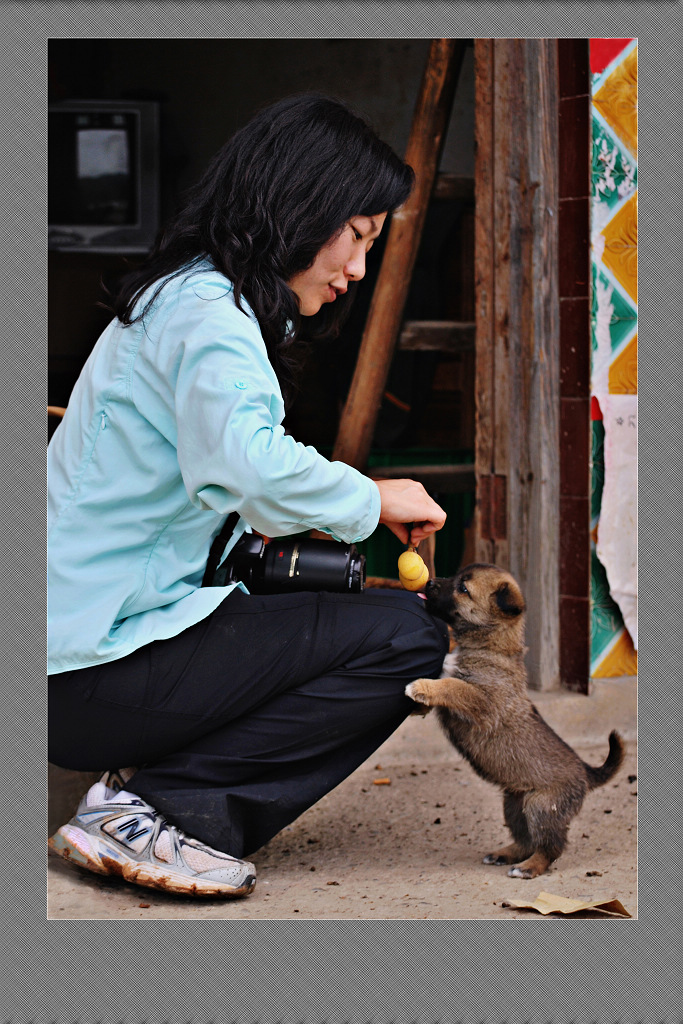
(599, 776)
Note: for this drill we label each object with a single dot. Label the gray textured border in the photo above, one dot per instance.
(520, 971)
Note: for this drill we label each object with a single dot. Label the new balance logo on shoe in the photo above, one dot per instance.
(129, 828)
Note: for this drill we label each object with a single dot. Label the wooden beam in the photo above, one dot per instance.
(537, 508)
(430, 121)
(437, 336)
(484, 283)
(517, 338)
(453, 186)
(451, 478)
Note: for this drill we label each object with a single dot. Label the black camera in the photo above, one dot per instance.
(284, 566)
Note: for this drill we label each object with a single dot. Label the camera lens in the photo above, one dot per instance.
(312, 565)
(286, 565)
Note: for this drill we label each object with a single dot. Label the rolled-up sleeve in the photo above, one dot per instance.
(232, 449)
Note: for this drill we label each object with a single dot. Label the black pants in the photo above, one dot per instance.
(243, 721)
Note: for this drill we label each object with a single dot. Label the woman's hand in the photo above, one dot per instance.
(406, 501)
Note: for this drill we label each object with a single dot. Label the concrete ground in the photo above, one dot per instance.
(410, 847)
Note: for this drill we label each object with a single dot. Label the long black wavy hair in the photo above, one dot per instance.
(282, 187)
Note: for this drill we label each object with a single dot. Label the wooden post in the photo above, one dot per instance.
(486, 547)
(517, 336)
(428, 129)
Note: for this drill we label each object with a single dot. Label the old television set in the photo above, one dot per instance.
(103, 175)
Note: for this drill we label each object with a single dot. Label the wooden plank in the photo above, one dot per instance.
(517, 317)
(449, 478)
(430, 122)
(453, 186)
(542, 490)
(505, 169)
(467, 312)
(437, 336)
(484, 290)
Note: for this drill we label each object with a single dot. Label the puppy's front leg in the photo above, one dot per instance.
(424, 691)
(458, 695)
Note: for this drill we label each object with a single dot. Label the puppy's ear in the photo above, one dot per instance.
(509, 599)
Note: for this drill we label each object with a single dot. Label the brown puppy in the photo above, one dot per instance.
(483, 706)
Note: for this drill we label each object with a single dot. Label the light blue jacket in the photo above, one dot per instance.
(172, 425)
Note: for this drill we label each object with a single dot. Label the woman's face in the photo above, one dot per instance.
(340, 261)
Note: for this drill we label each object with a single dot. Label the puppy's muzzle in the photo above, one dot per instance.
(439, 594)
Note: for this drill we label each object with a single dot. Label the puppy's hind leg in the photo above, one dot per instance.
(548, 831)
(515, 819)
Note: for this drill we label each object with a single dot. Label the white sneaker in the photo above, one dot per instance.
(115, 832)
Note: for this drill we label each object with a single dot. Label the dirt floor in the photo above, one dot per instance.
(404, 836)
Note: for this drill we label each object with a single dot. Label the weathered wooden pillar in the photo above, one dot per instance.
(517, 332)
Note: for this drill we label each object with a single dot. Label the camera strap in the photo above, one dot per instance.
(218, 547)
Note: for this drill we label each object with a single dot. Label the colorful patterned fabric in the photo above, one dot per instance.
(614, 372)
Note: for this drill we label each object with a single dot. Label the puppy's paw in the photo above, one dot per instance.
(520, 873)
(494, 858)
(511, 854)
(419, 691)
(534, 866)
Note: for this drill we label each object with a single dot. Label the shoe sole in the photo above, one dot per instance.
(76, 846)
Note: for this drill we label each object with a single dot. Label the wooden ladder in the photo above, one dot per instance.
(384, 328)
